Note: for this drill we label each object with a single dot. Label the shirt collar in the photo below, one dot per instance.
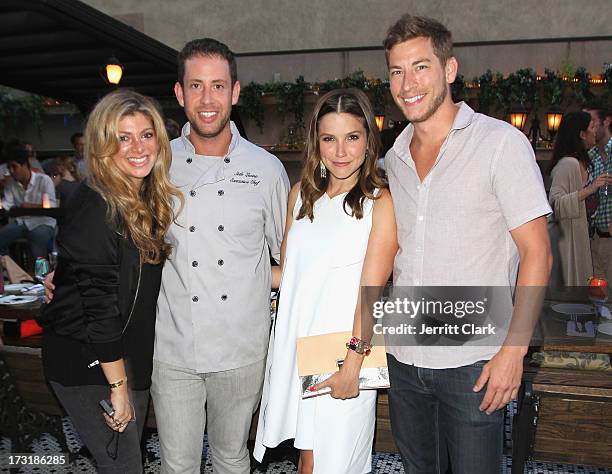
(594, 153)
(189, 148)
(463, 118)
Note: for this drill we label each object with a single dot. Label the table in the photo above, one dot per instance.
(36, 212)
(27, 399)
(564, 415)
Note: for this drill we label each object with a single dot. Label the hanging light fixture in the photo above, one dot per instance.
(518, 116)
(114, 70)
(553, 116)
(380, 121)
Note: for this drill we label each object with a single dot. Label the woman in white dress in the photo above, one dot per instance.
(340, 235)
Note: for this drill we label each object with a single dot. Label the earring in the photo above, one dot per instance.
(323, 170)
(366, 155)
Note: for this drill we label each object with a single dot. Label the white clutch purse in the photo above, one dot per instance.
(320, 356)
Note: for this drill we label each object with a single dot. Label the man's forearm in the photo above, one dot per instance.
(533, 277)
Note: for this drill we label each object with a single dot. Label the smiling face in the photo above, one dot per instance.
(342, 145)
(207, 95)
(138, 147)
(419, 83)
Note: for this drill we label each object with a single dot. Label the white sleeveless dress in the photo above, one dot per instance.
(319, 289)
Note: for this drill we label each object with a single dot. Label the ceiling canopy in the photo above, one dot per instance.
(57, 48)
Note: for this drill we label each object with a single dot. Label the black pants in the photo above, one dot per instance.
(82, 405)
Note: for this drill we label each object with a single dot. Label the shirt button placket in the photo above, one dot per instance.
(420, 231)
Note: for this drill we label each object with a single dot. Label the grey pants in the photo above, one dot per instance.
(82, 405)
(186, 400)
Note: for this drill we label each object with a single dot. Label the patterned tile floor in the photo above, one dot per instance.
(384, 463)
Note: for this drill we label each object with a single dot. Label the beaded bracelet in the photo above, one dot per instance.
(359, 346)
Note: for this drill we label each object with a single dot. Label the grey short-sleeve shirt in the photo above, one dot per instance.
(214, 303)
(454, 226)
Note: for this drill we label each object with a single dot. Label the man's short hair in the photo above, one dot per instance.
(17, 153)
(602, 112)
(206, 47)
(409, 27)
(74, 136)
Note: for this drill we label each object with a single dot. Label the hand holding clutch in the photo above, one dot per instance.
(344, 384)
(320, 356)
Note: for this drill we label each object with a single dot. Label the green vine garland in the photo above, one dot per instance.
(496, 93)
(15, 110)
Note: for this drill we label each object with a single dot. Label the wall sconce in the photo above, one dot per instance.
(518, 116)
(114, 70)
(380, 122)
(553, 117)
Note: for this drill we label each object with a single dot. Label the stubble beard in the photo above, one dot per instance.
(213, 134)
(437, 102)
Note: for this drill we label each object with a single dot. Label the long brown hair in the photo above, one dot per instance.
(145, 214)
(350, 101)
(568, 141)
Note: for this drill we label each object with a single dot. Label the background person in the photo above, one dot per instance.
(78, 144)
(26, 189)
(568, 191)
(600, 156)
(34, 163)
(99, 327)
(65, 175)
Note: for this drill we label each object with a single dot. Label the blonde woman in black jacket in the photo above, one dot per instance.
(99, 327)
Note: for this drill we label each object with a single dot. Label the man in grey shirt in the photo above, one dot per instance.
(470, 205)
(213, 317)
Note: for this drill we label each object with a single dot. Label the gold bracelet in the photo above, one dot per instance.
(118, 383)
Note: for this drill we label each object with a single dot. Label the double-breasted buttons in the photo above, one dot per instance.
(189, 160)
(220, 228)
(192, 229)
(220, 262)
(220, 192)
(226, 159)
(194, 263)
(192, 193)
(223, 297)
(195, 299)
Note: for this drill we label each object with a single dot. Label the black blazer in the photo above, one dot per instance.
(97, 281)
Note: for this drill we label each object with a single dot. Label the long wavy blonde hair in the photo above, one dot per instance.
(312, 185)
(146, 213)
